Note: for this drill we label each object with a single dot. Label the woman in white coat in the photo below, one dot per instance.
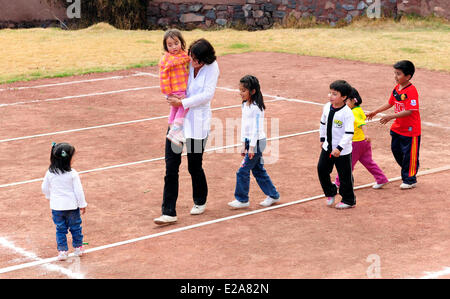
(203, 76)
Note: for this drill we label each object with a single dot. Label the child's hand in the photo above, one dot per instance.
(370, 115)
(174, 101)
(82, 210)
(385, 119)
(251, 152)
(335, 153)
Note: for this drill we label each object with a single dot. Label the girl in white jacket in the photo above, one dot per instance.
(62, 186)
(253, 144)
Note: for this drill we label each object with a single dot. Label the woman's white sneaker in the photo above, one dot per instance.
(236, 204)
(165, 219)
(198, 209)
(269, 201)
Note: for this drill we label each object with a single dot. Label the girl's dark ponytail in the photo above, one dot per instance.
(251, 83)
(61, 158)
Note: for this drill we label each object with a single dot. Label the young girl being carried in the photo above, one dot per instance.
(173, 79)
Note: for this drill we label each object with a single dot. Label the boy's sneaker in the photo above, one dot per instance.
(165, 219)
(198, 209)
(269, 201)
(342, 205)
(378, 186)
(79, 251)
(330, 201)
(407, 186)
(236, 204)
(62, 255)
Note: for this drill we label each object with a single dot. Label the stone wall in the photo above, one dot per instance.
(440, 8)
(30, 13)
(257, 14)
(262, 14)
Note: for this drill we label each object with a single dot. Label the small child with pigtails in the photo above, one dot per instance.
(173, 79)
(62, 186)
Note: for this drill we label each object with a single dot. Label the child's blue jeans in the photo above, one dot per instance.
(256, 166)
(67, 220)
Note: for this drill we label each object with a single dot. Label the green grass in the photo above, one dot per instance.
(239, 46)
(411, 50)
(30, 54)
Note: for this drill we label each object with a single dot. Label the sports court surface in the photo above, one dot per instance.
(117, 122)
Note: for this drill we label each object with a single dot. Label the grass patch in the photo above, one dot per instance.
(239, 46)
(45, 53)
(145, 41)
(411, 50)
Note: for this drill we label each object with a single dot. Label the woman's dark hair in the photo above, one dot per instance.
(251, 83)
(406, 66)
(343, 87)
(61, 158)
(202, 51)
(172, 33)
(355, 95)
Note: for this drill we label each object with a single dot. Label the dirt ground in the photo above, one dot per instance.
(405, 233)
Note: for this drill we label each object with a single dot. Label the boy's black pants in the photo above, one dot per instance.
(344, 169)
(195, 149)
(406, 153)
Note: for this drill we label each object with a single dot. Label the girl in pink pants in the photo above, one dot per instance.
(362, 150)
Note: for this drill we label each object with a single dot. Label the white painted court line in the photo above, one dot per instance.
(136, 74)
(156, 159)
(84, 129)
(180, 229)
(79, 96)
(110, 125)
(433, 275)
(30, 255)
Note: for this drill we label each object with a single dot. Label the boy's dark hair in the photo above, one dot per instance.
(202, 51)
(172, 33)
(406, 66)
(355, 95)
(343, 87)
(61, 158)
(251, 83)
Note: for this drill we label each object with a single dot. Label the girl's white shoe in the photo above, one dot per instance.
(378, 186)
(62, 256)
(79, 251)
(330, 201)
(236, 204)
(269, 201)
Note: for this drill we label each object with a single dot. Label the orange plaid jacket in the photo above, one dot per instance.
(174, 73)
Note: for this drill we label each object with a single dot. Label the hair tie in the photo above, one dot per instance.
(63, 154)
(53, 144)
